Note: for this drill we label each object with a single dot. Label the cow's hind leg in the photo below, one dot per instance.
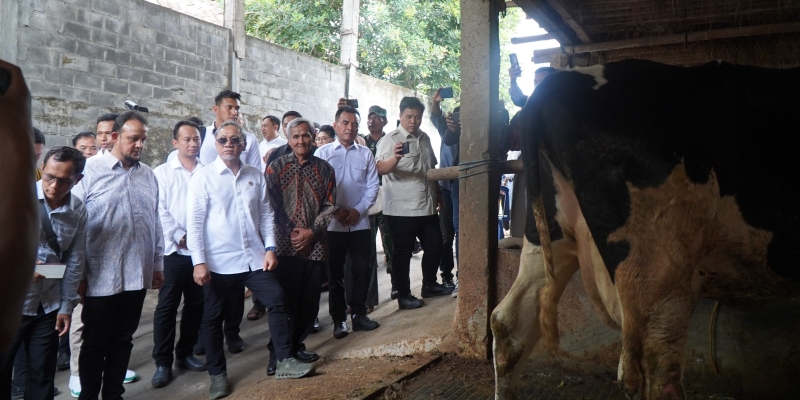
(515, 321)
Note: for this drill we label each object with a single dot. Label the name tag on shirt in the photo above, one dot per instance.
(51, 271)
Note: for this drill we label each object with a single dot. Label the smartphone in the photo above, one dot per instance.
(456, 117)
(352, 103)
(5, 81)
(405, 148)
(514, 61)
(446, 93)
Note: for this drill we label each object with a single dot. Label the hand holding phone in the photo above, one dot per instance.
(405, 148)
(515, 71)
(352, 103)
(446, 93)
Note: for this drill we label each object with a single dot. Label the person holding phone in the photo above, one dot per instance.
(410, 201)
(517, 97)
(47, 311)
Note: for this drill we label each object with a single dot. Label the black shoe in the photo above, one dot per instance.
(306, 356)
(436, 289)
(190, 363)
(236, 349)
(409, 302)
(315, 328)
(273, 364)
(363, 323)
(162, 376)
(448, 283)
(62, 364)
(339, 329)
(394, 294)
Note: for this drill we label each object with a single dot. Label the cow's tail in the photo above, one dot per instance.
(534, 145)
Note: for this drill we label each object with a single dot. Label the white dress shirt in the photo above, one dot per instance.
(208, 150)
(356, 181)
(266, 145)
(173, 183)
(230, 219)
(124, 243)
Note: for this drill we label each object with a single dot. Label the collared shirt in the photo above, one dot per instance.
(173, 182)
(266, 145)
(69, 225)
(230, 221)
(208, 150)
(303, 196)
(285, 150)
(448, 155)
(356, 181)
(406, 190)
(124, 242)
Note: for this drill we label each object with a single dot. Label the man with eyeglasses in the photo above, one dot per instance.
(50, 299)
(124, 253)
(231, 239)
(173, 181)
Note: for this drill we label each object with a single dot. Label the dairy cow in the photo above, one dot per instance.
(662, 185)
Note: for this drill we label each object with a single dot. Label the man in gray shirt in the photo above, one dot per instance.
(50, 299)
(124, 257)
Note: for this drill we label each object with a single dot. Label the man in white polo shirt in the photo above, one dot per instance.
(231, 238)
(409, 202)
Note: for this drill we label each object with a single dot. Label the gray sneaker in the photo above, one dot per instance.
(292, 369)
(220, 386)
(455, 291)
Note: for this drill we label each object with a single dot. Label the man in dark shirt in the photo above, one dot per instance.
(302, 190)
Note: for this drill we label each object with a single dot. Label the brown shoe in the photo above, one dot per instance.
(255, 313)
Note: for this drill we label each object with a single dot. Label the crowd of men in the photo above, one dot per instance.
(223, 215)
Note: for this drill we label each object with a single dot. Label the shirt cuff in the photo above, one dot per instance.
(159, 266)
(198, 257)
(362, 211)
(179, 234)
(270, 242)
(66, 307)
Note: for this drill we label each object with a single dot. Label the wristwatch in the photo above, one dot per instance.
(270, 248)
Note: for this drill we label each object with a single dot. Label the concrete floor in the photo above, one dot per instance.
(398, 335)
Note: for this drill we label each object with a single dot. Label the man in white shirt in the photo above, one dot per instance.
(226, 108)
(104, 129)
(349, 231)
(409, 201)
(231, 238)
(173, 182)
(270, 129)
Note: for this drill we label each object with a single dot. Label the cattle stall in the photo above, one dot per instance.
(744, 352)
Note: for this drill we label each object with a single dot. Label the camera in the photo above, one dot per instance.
(129, 105)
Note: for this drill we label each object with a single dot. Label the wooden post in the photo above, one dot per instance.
(480, 72)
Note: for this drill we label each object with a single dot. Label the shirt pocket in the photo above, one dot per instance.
(358, 171)
(65, 235)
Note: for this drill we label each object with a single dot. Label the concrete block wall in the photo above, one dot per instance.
(84, 58)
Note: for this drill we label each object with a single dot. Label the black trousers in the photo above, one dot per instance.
(108, 326)
(447, 264)
(178, 282)
(263, 284)
(37, 335)
(300, 280)
(234, 310)
(356, 244)
(404, 232)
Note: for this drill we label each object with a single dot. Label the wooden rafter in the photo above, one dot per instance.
(567, 17)
(550, 20)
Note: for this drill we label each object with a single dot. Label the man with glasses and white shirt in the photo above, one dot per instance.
(231, 238)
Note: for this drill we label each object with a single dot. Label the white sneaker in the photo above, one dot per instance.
(130, 377)
(75, 386)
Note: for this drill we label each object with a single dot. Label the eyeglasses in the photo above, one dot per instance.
(235, 141)
(60, 181)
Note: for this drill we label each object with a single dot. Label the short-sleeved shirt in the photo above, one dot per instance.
(406, 190)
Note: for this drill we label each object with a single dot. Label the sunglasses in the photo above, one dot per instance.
(235, 141)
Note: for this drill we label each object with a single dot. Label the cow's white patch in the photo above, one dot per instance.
(597, 71)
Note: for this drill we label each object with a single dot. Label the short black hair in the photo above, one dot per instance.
(227, 94)
(81, 136)
(547, 70)
(107, 117)
(178, 126)
(411, 102)
(329, 130)
(273, 119)
(66, 153)
(127, 116)
(38, 136)
(197, 121)
(346, 109)
(291, 114)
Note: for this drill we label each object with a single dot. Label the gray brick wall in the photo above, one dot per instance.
(83, 58)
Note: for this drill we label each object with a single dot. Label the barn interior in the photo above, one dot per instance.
(741, 353)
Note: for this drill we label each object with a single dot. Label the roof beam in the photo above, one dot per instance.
(567, 17)
(550, 20)
(529, 39)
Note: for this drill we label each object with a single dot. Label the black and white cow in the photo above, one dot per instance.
(667, 184)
